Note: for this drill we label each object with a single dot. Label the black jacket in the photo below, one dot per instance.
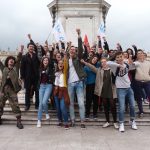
(29, 70)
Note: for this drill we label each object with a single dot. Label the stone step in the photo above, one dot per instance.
(33, 112)
(53, 121)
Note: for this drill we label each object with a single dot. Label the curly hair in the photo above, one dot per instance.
(8, 58)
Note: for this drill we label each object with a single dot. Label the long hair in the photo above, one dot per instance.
(42, 65)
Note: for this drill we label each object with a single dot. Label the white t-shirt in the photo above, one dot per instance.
(73, 77)
(59, 79)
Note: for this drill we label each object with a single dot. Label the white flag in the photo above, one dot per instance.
(58, 32)
(101, 30)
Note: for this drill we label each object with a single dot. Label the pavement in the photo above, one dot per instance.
(92, 138)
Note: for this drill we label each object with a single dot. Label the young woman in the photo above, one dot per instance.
(105, 89)
(46, 84)
(90, 86)
(61, 93)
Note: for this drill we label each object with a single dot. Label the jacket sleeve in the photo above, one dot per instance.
(92, 67)
(106, 46)
(22, 68)
(99, 44)
(1, 66)
(80, 47)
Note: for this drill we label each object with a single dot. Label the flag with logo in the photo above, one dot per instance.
(58, 32)
(101, 30)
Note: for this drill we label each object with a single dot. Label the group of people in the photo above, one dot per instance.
(84, 74)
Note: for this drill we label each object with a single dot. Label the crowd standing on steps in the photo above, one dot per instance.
(65, 75)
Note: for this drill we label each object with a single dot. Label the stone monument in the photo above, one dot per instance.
(84, 14)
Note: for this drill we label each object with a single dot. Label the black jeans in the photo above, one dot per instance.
(28, 95)
(91, 97)
(138, 89)
(110, 104)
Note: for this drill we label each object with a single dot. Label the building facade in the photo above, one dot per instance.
(84, 14)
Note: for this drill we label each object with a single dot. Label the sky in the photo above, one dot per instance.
(127, 22)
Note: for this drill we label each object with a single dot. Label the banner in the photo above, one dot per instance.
(101, 30)
(58, 32)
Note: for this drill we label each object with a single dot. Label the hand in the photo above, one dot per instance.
(133, 45)
(118, 44)
(29, 36)
(46, 42)
(99, 37)
(104, 38)
(78, 31)
(82, 61)
(22, 47)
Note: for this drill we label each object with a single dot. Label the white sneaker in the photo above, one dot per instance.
(116, 126)
(121, 127)
(106, 125)
(133, 125)
(47, 117)
(39, 124)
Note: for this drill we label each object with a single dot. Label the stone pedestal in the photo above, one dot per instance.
(84, 14)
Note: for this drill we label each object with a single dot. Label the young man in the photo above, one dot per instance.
(30, 75)
(142, 79)
(9, 89)
(122, 82)
(75, 81)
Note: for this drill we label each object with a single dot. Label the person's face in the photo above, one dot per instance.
(72, 52)
(11, 63)
(94, 60)
(125, 55)
(119, 59)
(140, 55)
(129, 51)
(104, 63)
(60, 65)
(45, 48)
(31, 48)
(100, 50)
(90, 54)
(45, 61)
(58, 57)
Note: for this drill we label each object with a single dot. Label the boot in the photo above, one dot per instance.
(19, 124)
(0, 120)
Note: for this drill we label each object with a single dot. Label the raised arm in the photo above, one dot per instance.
(106, 46)
(92, 67)
(31, 41)
(80, 46)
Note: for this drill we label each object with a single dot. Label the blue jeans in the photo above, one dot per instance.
(62, 112)
(44, 94)
(121, 94)
(79, 89)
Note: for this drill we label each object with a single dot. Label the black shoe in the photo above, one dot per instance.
(27, 108)
(83, 126)
(36, 107)
(0, 120)
(141, 115)
(87, 117)
(95, 117)
(19, 124)
(60, 124)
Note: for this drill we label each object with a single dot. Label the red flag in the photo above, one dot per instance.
(86, 42)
